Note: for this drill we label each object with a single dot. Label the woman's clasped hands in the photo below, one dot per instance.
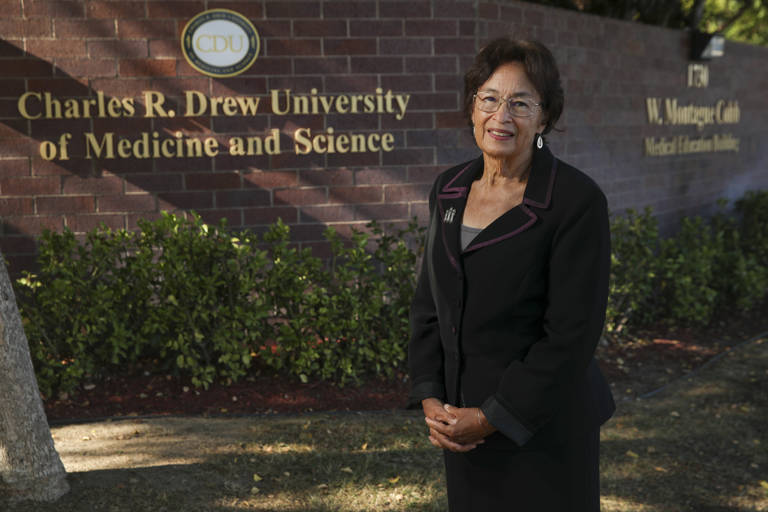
(458, 429)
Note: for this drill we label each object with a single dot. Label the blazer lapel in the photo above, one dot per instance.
(538, 194)
(452, 199)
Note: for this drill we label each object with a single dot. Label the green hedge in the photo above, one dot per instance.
(183, 297)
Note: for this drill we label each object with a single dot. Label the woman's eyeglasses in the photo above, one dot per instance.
(517, 107)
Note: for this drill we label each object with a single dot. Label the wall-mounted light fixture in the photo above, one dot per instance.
(706, 46)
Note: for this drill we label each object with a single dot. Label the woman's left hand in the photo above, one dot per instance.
(468, 426)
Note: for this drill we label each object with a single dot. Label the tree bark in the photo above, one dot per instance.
(30, 467)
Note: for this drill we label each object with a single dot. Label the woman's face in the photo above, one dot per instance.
(499, 134)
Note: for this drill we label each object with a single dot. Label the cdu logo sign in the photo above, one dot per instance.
(220, 43)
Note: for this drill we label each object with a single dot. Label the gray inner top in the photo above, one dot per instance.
(467, 235)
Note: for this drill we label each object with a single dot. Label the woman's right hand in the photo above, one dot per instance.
(434, 410)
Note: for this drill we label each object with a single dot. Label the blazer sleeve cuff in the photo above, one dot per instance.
(505, 422)
(424, 390)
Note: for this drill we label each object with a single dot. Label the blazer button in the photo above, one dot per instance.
(453, 329)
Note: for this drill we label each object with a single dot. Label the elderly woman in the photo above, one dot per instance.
(511, 301)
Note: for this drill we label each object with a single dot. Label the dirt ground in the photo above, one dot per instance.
(698, 444)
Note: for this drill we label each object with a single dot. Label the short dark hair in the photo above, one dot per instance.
(539, 64)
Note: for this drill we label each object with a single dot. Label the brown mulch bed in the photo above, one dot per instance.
(634, 367)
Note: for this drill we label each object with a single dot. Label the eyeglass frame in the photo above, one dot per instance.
(509, 108)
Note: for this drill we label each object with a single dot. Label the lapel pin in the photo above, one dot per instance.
(450, 213)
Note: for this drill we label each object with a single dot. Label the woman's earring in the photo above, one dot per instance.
(539, 141)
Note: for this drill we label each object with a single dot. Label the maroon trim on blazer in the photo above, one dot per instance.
(507, 235)
(548, 198)
(455, 192)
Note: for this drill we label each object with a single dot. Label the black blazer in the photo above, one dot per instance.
(515, 318)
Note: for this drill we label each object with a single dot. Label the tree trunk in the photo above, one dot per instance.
(30, 467)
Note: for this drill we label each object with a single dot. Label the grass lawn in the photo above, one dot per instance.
(700, 445)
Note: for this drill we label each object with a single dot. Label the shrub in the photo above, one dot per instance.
(634, 244)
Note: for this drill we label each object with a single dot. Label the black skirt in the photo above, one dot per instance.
(556, 478)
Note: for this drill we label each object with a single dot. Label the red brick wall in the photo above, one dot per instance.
(73, 49)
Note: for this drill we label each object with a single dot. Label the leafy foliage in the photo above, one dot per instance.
(180, 296)
(184, 297)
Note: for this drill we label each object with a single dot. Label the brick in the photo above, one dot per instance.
(349, 9)
(186, 165)
(369, 212)
(165, 48)
(212, 181)
(377, 65)
(247, 8)
(408, 157)
(324, 66)
(12, 89)
(92, 185)
(405, 46)
(449, 83)
(270, 179)
(274, 28)
(157, 10)
(454, 46)
(65, 204)
(144, 29)
(444, 64)
(268, 66)
(117, 10)
(488, 10)
(434, 101)
(349, 46)
(405, 10)
(434, 28)
(353, 159)
(298, 47)
(42, 167)
(11, 48)
(87, 68)
(354, 83)
(510, 13)
(378, 28)
(312, 214)
(16, 147)
(297, 84)
(400, 193)
(255, 216)
(153, 182)
(242, 198)
(69, 28)
(127, 203)
(450, 120)
(86, 223)
(353, 195)
(320, 250)
(54, 129)
(60, 87)
(234, 217)
(301, 196)
(16, 206)
(32, 186)
(11, 28)
(294, 9)
(117, 49)
(25, 68)
(35, 224)
(326, 177)
(308, 232)
(407, 83)
(415, 120)
(185, 200)
(319, 28)
(457, 9)
(242, 127)
(468, 28)
(380, 176)
(147, 67)
(14, 167)
(54, 8)
(17, 245)
(423, 174)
